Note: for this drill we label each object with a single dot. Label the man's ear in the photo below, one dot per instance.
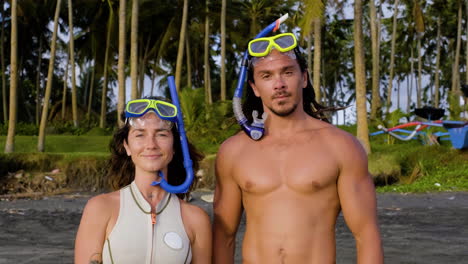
(305, 76)
(254, 88)
(127, 149)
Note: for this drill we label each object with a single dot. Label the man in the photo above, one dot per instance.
(294, 182)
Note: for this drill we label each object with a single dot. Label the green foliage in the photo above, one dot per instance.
(207, 125)
(25, 129)
(418, 168)
(455, 108)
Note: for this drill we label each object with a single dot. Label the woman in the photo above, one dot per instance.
(141, 222)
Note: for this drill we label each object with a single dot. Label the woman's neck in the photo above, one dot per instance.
(152, 194)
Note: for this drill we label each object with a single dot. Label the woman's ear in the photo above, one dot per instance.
(127, 148)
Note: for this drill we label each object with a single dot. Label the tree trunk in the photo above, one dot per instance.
(392, 57)
(180, 51)
(309, 52)
(317, 57)
(64, 93)
(189, 63)
(410, 86)
(206, 57)
(223, 50)
(102, 120)
(121, 63)
(376, 104)
(72, 63)
(2, 59)
(419, 87)
(45, 109)
(38, 81)
(10, 140)
(134, 50)
(360, 72)
(454, 102)
(91, 89)
(437, 70)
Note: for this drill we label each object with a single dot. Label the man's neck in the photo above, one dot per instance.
(283, 125)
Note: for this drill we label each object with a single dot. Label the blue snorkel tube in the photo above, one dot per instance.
(184, 187)
(256, 130)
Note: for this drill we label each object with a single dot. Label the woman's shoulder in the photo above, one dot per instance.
(103, 203)
(193, 213)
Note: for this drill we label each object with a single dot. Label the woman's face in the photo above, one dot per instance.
(149, 143)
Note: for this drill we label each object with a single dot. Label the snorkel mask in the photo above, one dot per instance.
(258, 49)
(169, 113)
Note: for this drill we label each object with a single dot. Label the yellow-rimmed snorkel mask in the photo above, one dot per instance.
(261, 47)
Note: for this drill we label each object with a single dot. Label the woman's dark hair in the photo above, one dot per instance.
(311, 106)
(122, 170)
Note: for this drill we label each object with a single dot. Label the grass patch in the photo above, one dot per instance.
(61, 143)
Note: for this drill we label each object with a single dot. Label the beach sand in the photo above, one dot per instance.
(416, 228)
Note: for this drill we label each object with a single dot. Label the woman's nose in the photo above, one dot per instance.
(152, 142)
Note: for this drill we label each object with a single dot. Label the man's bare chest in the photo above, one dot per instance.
(299, 167)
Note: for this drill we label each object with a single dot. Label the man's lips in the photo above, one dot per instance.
(281, 96)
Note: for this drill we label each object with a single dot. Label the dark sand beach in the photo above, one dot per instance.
(416, 228)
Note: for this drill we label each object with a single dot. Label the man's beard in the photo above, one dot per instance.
(284, 112)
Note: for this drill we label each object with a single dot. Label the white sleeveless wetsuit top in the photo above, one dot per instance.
(133, 239)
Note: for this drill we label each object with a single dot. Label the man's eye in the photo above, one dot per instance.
(289, 73)
(139, 135)
(266, 76)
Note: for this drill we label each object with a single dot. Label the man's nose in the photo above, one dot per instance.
(279, 82)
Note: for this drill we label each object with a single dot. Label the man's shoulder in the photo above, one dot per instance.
(333, 135)
(235, 142)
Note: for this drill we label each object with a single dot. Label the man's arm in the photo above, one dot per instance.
(227, 206)
(91, 232)
(358, 201)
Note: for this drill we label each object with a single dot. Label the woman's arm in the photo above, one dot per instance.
(92, 231)
(198, 223)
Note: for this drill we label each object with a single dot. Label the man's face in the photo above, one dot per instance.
(279, 83)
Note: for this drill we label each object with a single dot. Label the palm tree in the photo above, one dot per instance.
(64, 93)
(392, 56)
(454, 102)
(360, 73)
(437, 70)
(313, 16)
(102, 120)
(121, 63)
(189, 62)
(419, 25)
(206, 57)
(38, 80)
(2, 63)
(180, 52)
(10, 140)
(376, 104)
(72, 63)
(134, 50)
(223, 50)
(45, 109)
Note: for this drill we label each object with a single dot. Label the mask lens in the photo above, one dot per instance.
(286, 41)
(137, 107)
(259, 46)
(166, 110)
